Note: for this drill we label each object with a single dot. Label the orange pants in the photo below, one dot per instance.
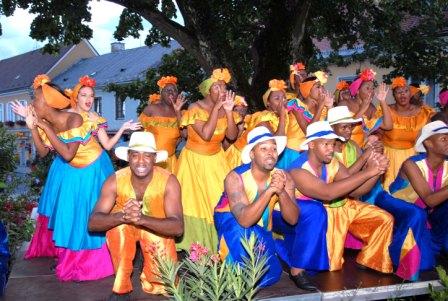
(122, 241)
(366, 222)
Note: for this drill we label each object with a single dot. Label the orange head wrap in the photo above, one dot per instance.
(274, 85)
(421, 88)
(305, 87)
(154, 98)
(295, 69)
(84, 81)
(342, 85)
(398, 81)
(53, 97)
(166, 80)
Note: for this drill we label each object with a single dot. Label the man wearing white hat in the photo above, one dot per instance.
(250, 193)
(420, 190)
(318, 175)
(140, 203)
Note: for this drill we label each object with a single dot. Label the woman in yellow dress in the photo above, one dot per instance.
(161, 117)
(233, 150)
(362, 90)
(202, 165)
(408, 120)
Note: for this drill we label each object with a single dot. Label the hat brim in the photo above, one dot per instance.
(304, 145)
(419, 147)
(348, 120)
(279, 140)
(122, 152)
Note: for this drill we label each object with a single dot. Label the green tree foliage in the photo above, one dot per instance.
(8, 157)
(258, 39)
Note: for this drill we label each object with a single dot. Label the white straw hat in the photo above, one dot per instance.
(258, 135)
(341, 114)
(319, 130)
(141, 142)
(432, 128)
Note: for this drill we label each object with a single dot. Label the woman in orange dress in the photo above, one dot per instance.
(202, 165)
(161, 117)
(408, 120)
(362, 90)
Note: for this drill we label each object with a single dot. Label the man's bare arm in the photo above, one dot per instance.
(247, 214)
(101, 219)
(288, 207)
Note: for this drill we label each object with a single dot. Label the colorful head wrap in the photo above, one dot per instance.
(424, 89)
(154, 98)
(443, 98)
(217, 75)
(295, 69)
(340, 86)
(305, 86)
(365, 76)
(240, 101)
(53, 97)
(274, 85)
(166, 80)
(84, 81)
(321, 76)
(398, 81)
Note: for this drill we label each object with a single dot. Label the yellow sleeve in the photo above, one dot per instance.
(190, 116)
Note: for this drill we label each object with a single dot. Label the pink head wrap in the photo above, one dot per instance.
(443, 98)
(366, 75)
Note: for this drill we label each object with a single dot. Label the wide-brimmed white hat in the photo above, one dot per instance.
(341, 114)
(258, 135)
(432, 128)
(319, 130)
(141, 142)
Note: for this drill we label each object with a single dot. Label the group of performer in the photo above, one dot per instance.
(310, 175)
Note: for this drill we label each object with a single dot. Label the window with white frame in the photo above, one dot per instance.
(2, 112)
(10, 115)
(97, 106)
(23, 103)
(119, 107)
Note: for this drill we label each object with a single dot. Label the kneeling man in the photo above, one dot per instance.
(140, 203)
(251, 191)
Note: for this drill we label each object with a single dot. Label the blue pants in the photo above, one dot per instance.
(230, 232)
(304, 245)
(439, 227)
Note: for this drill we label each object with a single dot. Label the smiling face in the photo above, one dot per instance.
(85, 98)
(169, 94)
(264, 155)
(141, 163)
(323, 149)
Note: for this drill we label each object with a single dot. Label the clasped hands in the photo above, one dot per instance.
(132, 212)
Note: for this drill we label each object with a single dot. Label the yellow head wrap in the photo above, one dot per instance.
(274, 85)
(217, 75)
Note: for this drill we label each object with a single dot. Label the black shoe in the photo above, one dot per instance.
(120, 297)
(303, 282)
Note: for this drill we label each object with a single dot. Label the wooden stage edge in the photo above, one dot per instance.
(34, 280)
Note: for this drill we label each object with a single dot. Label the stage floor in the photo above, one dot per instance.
(33, 280)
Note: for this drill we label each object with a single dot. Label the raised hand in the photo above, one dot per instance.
(328, 99)
(229, 101)
(133, 126)
(18, 108)
(383, 89)
(377, 164)
(180, 101)
(30, 118)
